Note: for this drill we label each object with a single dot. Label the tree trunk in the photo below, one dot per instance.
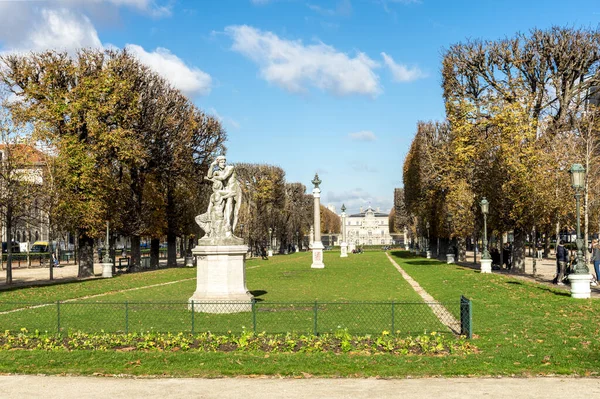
(171, 250)
(136, 256)
(154, 252)
(462, 249)
(9, 244)
(171, 230)
(518, 264)
(86, 255)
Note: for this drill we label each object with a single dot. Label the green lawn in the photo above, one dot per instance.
(355, 293)
(520, 328)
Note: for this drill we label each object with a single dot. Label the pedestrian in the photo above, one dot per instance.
(562, 257)
(540, 251)
(595, 259)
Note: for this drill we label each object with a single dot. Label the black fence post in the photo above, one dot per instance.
(466, 317)
(254, 315)
(58, 317)
(193, 311)
(126, 317)
(315, 330)
(393, 318)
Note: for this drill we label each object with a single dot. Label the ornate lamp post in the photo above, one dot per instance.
(449, 251)
(107, 266)
(580, 279)
(427, 251)
(270, 241)
(486, 259)
(317, 246)
(343, 244)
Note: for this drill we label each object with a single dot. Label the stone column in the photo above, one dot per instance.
(317, 248)
(344, 245)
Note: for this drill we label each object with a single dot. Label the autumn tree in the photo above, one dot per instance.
(20, 181)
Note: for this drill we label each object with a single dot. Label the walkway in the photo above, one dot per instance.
(50, 387)
(443, 315)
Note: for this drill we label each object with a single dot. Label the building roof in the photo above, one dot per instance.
(369, 209)
(27, 154)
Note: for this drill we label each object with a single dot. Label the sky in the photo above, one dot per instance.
(334, 87)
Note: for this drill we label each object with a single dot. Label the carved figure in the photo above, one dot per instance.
(220, 219)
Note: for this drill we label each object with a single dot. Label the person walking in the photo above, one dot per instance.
(596, 260)
(562, 257)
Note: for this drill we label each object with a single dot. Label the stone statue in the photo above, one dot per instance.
(220, 219)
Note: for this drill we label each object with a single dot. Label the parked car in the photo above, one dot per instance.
(15, 247)
(40, 246)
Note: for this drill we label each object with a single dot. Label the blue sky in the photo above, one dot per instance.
(328, 86)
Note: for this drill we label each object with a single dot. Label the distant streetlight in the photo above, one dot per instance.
(580, 278)
(486, 259)
(270, 241)
(427, 251)
(449, 251)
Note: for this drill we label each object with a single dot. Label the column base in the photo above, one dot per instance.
(486, 265)
(107, 269)
(580, 285)
(344, 250)
(317, 255)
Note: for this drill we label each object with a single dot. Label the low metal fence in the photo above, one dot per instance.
(405, 318)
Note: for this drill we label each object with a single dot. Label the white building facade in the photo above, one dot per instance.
(368, 227)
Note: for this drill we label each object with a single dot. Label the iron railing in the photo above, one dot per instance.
(405, 318)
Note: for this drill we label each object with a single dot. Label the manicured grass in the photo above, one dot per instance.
(520, 328)
(290, 297)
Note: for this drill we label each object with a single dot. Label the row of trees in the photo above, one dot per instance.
(121, 145)
(125, 147)
(519, 112)
(269, 202)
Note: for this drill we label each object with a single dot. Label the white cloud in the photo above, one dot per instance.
(400, 72)
(293, 66)
(224, 120)
(190, 80)
(63, 29)
(357, 198)
(25, 27)
(60, 29)
(363, 135)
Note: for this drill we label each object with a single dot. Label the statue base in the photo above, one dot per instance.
(343, 250)
(317, 255)
(449, 259)
(221, 279)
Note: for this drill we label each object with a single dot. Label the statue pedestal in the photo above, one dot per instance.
(317, 255)
(449, 258)
(221, 280)
(344, 250)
